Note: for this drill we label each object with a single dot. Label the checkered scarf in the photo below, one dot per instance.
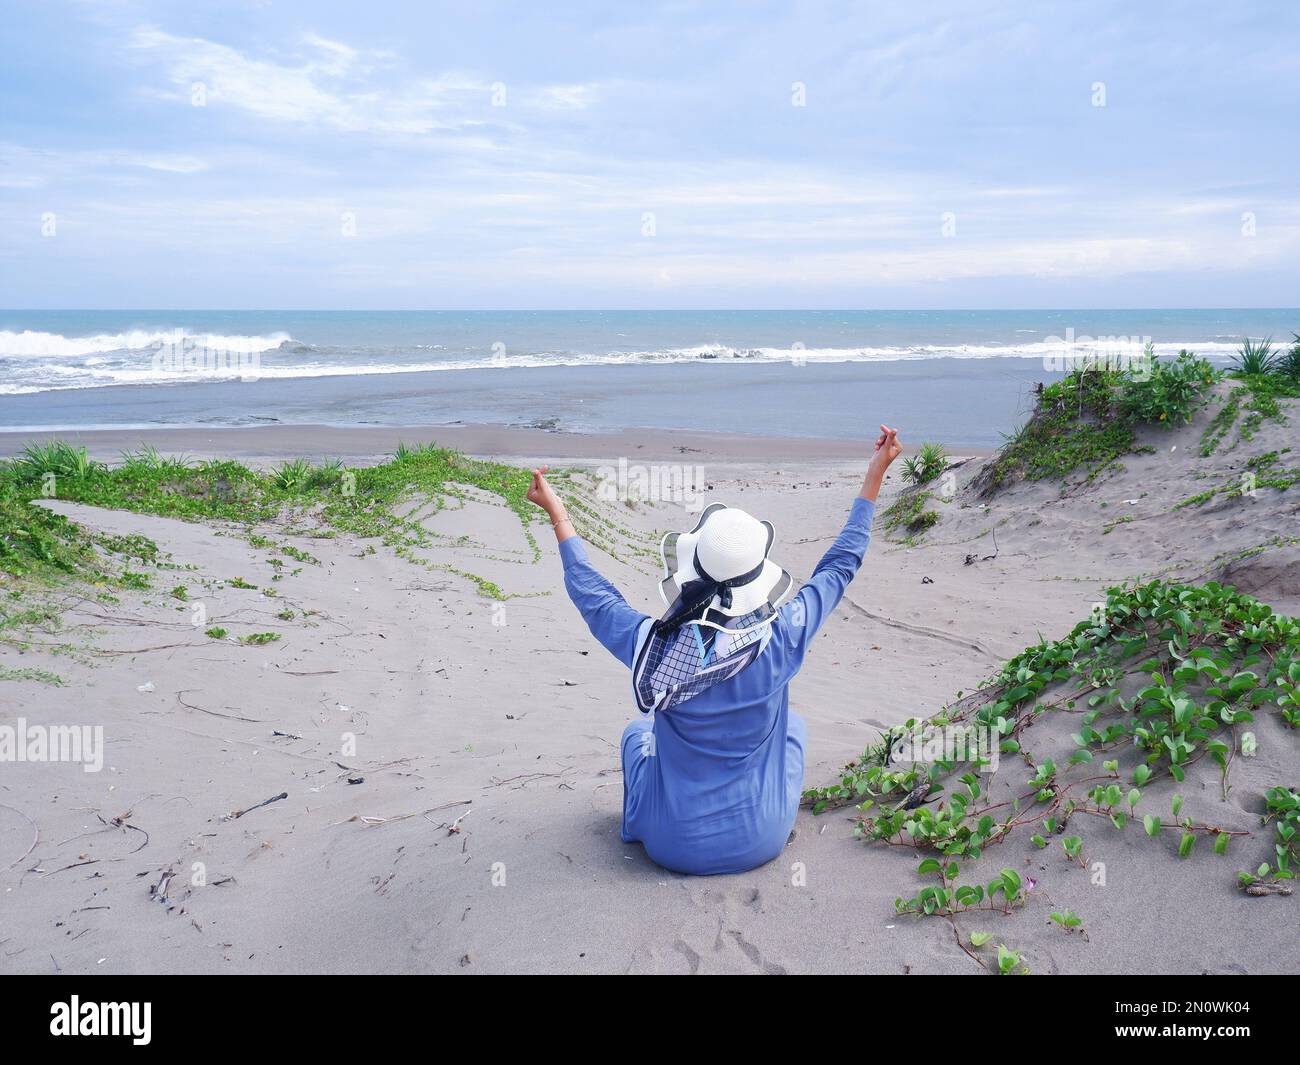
(669, 671)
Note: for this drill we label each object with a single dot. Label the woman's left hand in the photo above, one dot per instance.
(541, 493)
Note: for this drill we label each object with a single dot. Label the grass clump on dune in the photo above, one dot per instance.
(1265, 376)
(1252, 402)
(364, 502)
(1091, 417)
(927, 464)
(170, 486)
(389, 502)
(35, 541)
(908, 513)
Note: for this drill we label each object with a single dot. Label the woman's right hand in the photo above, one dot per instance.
(887, 449)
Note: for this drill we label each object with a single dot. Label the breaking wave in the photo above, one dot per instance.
(33, 361)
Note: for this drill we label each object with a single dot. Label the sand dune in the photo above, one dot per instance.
(449, 761)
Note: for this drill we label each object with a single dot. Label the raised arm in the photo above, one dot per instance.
(602, 606)
(887, 449)
(807, 612)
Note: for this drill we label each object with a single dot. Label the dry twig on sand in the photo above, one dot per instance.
(368, 820)
(141, 650)
(1267, 889)
(214, 713)
(36, 835)
(236, 814)
(121, 822)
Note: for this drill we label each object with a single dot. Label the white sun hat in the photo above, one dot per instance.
(725, 554)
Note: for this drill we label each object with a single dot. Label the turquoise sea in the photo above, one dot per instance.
(959, 376)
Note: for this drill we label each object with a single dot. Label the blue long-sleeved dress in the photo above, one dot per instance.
(712, 785)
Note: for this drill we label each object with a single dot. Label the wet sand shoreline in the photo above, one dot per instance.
(273, 443)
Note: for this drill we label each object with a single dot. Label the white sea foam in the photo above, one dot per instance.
(53, 345)
(40, 362)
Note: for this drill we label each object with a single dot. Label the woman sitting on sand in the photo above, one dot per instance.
(711, 779)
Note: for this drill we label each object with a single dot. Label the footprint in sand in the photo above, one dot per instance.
(756, 956)
(692, 956)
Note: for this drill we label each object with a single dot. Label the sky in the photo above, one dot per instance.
(650, 155)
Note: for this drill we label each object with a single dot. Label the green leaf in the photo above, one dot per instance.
(1151, 823)
(1185, 844)
(930, 865)
(978, 939)
(1221, 843)
(1177, 804)
(1243, 681)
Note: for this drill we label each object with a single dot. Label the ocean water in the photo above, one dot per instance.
(960, 376)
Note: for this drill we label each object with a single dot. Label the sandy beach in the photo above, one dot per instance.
(417, 777)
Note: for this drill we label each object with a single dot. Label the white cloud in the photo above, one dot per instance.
(328, 87)
(567, 97)
(332, 85)
(539, 234)
(911, 116)
(173, 164)
(337, 58)
(22, 167)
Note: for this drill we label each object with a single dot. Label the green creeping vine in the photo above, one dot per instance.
(1256, 396)
(367, 501)
(41, 550)
(1262, 471)
(599, 523)
(1200, 661)
(1284, 809)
